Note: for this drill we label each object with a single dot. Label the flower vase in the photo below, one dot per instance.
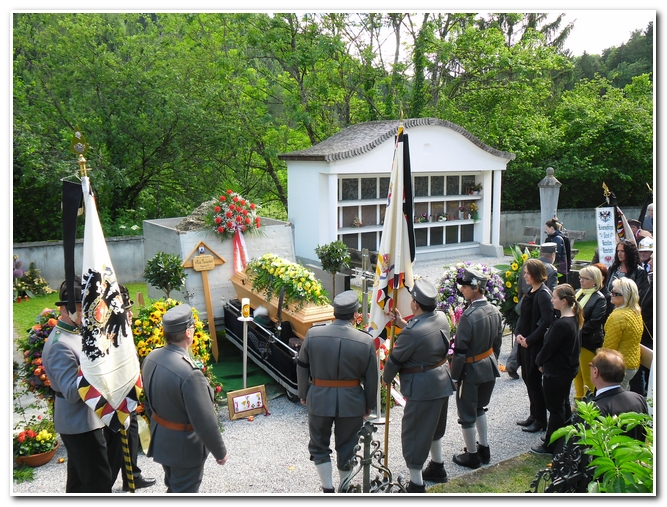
(37, 460)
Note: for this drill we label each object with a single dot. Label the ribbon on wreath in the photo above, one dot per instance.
(240, 252)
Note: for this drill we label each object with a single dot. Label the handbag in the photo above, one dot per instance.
(512, 363)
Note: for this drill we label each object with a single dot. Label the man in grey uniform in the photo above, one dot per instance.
(479, 337)
(179, 402)
(334, 361)
(81, 430)
(419, 356)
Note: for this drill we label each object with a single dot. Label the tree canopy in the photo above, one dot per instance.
(177, 107)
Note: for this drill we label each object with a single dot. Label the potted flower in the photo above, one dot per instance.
(474, 211)
(476, 189)
(36, 445)
(462, 210)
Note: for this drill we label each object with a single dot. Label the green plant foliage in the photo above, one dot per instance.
(165, 272)
(622, 464)
(334, 256)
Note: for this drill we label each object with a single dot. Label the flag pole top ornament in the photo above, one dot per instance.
(80, 146)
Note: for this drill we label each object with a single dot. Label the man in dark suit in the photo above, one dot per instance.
(420, 357)
(479, 337)
(80, 429)
(607, 372)
(179, 402)
(337, 378)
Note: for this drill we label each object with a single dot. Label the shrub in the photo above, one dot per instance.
(165, 272)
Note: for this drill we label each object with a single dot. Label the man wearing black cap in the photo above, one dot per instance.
(479, 337)
(114, 441)
(80, 429)
(419, 356)
(179, 402)
(334, 361)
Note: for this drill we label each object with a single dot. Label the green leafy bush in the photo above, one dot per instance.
(165, 272)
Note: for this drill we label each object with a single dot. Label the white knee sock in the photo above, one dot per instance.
(482, 430)
(416, 476)
(469, 437)
(436, 450)
(324, 471)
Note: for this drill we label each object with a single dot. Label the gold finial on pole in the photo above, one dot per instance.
(80, 145)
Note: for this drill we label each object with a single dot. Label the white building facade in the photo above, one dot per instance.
(337, 189)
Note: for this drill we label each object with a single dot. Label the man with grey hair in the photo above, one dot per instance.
(337, 377)
(179, 402)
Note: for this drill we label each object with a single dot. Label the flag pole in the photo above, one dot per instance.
(387, 400)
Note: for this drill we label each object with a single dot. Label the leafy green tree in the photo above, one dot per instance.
(334, 257)
(165, 272)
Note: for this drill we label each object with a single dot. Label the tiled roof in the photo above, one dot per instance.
(363, 137)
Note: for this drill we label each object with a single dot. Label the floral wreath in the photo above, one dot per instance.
(231, 213)
(32, 372)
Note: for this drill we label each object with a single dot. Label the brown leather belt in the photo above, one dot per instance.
(483, 355)
(335, 383)
(419, 369)
(171, 425)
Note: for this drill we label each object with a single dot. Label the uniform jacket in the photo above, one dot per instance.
(595, 315)
(61, 361)
(338, 351)
(480, 328)
(421, 343)
(178, 391)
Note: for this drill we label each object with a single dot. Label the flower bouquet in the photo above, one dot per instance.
(449, 297)
(32, 372)
(232, 212)
(270, 273)
(148, 333)
(474, 211)
(511, 281)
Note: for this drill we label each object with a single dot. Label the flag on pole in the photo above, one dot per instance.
(623, 230)
(109, 380)
(397, 245)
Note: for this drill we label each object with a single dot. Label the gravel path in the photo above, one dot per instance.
(269, 456)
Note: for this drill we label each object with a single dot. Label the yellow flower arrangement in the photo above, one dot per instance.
(148, 333)
(511, 278)
(270, 273)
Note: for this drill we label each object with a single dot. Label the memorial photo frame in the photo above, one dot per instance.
(246, 402)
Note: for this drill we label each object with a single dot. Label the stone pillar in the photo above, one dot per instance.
(549, 190)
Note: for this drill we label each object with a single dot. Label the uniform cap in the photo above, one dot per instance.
(646, 245)
(346, 302)
(473, 278)
(548, 247)
(178, 319)
(634, 222)
(424, 292)
(64, 299)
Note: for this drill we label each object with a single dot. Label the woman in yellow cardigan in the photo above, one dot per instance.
(623, 330)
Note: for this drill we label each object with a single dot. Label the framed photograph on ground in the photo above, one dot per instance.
(247, 402)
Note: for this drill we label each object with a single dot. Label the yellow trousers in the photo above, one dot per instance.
(583, 378)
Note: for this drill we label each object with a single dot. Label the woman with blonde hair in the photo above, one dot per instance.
(623, 330)
(559, 361)
(594, 307)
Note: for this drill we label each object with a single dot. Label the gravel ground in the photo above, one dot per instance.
(269, 456)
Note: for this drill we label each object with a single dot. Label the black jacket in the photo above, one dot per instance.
(595, 315)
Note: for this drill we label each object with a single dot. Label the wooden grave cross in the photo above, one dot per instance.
(203, 263)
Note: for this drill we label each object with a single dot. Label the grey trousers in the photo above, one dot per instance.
(183, 480)
(345, 430)
(423, 422)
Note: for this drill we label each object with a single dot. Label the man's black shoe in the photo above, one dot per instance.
(540, 449)
(435, 472)
(328, 490)
(415, 488)
(140, 482)
(535, 427)
(484, 453)
(527, 422)
(469, 460)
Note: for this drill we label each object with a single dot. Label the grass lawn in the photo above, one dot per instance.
(586, 250)
(25, 313)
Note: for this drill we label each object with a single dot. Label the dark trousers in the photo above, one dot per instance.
(115, 449)
(639, 382)
(471, 399)
(557, 397)
(423, 422)
(532, 377)
(88, 468)
(183, 480)
(345, 431)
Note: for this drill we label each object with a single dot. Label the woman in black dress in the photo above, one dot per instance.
(559, 361)
(537, 314)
